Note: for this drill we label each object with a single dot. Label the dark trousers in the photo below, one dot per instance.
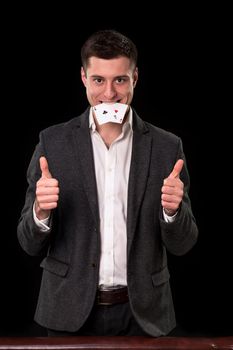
(112, 320)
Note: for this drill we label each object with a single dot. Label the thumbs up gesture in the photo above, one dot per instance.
(173, 190)
(47, 191)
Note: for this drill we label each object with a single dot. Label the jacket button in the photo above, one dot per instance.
(93, 265)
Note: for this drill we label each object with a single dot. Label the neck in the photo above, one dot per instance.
(109, 132)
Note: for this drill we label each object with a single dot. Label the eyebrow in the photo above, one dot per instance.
(102, 77)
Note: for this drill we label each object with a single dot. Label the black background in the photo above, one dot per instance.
(183, 87)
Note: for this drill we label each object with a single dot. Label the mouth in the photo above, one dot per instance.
(111, 102)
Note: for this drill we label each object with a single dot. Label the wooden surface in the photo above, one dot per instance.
(113, 343)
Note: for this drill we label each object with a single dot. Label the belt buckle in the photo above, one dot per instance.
(117, 296)
(101, 303)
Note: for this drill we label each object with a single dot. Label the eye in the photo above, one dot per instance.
(98, 81)
(120, 80)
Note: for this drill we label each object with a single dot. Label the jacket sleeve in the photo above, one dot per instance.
(30, 237)
(181, 235)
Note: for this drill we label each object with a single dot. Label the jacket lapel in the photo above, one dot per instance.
(139, 170)
(84, 152)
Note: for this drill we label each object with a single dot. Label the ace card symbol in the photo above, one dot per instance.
(110, 112)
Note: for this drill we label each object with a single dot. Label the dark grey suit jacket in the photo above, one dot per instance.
(72, 247)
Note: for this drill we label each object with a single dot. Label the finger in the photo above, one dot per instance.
(47, 183)
(167, 198)
(172, 190)
(47, 206)
(177, 169)
(47, 191)
(44, 167)
(47, 198)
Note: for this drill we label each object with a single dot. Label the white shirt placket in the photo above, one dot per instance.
(109, 191)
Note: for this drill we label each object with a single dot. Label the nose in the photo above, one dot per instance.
(109, 92)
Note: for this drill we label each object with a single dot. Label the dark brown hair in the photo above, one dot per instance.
(108, 44)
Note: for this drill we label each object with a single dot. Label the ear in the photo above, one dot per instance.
(135, 77)
(83, 76)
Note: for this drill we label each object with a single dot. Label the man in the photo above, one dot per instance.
(107, 196)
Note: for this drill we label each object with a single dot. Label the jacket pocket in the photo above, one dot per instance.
(55, 266)
(160, 277)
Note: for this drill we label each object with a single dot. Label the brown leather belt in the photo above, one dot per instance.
(111, 297)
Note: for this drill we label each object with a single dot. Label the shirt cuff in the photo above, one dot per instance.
(168, 218)
(42, 224)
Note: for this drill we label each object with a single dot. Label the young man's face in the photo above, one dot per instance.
(109, 81)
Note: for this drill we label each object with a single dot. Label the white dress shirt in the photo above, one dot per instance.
(112, 174)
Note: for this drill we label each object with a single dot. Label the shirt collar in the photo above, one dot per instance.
(128, 122)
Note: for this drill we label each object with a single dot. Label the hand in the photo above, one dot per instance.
(172, 190)
(47, 191)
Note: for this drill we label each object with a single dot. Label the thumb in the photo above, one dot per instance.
(44, 167)
(177, 169)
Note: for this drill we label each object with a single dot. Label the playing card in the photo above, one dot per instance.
(110, 112)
